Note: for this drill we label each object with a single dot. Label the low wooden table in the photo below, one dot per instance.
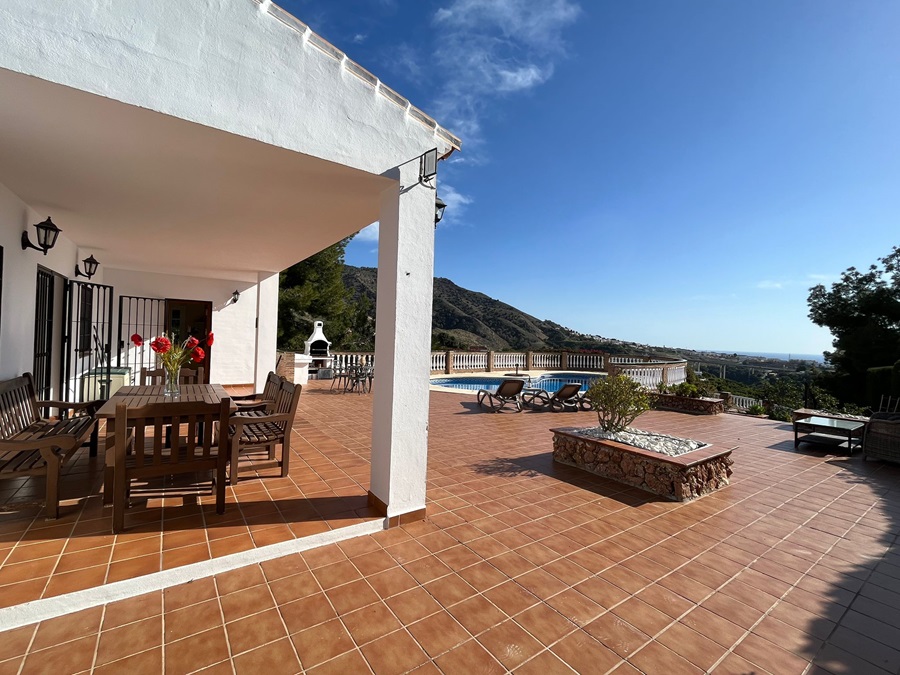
(830, 428)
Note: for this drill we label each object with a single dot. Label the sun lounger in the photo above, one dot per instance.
(509, 391)
(567, 398)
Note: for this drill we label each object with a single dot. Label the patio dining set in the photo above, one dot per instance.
(148, 436)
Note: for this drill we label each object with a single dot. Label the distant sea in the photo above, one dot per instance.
(783, 356)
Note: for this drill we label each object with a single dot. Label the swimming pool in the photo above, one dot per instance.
(551, 382)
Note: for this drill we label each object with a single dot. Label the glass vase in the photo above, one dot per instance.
(173, 382)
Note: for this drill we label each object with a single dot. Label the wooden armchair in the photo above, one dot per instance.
(262, 431)
(143, 448)
(158, 376)
(261, 401)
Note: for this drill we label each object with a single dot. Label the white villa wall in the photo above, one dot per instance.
(233, 358)
(20, 281)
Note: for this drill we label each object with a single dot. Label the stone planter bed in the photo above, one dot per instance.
(697, 406)
(680, 478)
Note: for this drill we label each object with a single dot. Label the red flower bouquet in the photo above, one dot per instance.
(174, 356)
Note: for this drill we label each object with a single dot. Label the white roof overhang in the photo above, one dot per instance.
(152, 192)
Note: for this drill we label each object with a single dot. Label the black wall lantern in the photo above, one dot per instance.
(235, 296)
(90, 268)
(47, 233)
(439, 207)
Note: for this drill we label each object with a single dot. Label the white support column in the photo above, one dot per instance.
(403, 348)
(266, 327)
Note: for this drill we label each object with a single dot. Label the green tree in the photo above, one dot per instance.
(862, 311)
(617, 401)
(311, 290)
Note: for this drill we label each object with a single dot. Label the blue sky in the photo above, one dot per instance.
(673, 173)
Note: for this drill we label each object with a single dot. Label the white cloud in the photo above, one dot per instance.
(768, 285)
(368, 233)
(456, 203)
(359, 38)
(494, 47)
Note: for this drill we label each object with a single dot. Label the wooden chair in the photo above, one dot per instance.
(882, 437)
(142, 448)
(264, 400)
(263, 431)
(158, 376)
(31, 445)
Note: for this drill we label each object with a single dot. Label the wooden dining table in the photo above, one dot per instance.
(141, 395)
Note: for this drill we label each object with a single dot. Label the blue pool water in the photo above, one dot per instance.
(550, 382)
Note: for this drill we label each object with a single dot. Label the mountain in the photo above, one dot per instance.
(464, 319)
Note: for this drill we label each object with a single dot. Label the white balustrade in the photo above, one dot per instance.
(438, 362)
(470, 361)
(545, 360)
(509, 360)
(744, 402)
(677, 375)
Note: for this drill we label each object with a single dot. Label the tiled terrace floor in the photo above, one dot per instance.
(326, 489)
(530, 567)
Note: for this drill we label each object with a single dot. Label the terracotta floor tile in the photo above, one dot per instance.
(129, 639)
(133, 609)
(321, 643)
(450, 590)
(412, 605)
(306, 612)
(576, 607)
(245, 602)
(769, 655)
(511, 598)
(642, 616)
(545, 623)
(67, 627)
(509, 643)
(469, 657)
(15, 642)
(70, 657)
(391, 582)
(617, 634)
(294, 587)
(691, 645)
(438, 633)
(483, 576)
(150, 661)
(275, 657)
(393, 654)
(191, 593)
(656, 658)
(370, 623)
(735, 665)
(477, 614)
(543, 663)
(255, 630)
(584, 654)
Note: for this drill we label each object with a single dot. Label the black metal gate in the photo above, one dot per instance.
(87, 361)
(43, 333)
(145, 317)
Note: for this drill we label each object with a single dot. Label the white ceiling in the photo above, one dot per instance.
(146, 191)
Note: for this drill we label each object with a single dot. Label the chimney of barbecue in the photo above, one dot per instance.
(318, 345)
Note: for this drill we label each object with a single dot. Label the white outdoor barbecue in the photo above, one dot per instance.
(318, 349)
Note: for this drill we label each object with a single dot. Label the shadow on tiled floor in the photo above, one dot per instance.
(530, 567)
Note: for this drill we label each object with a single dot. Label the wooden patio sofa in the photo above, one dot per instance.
(33, 445)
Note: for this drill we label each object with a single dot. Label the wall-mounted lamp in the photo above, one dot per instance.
(235, 296)
(47, 234)
(90, 268)
(439, 207)
(428, 167)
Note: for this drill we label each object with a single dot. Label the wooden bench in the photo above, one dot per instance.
(32, 445)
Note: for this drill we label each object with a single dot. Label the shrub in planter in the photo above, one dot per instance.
(618, 401)
(686, 389)
(756, 409)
